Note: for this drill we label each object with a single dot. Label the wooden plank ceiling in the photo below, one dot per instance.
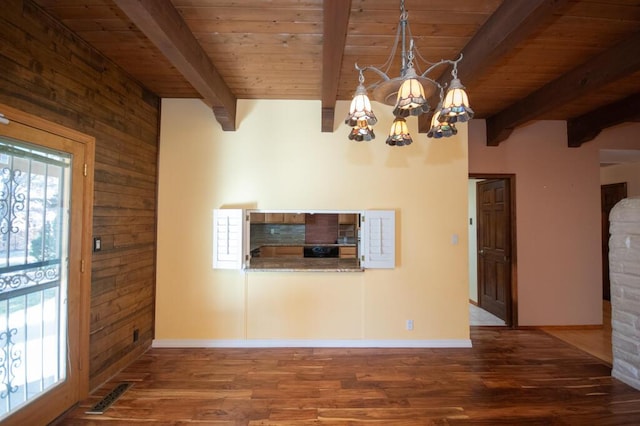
(523, 59)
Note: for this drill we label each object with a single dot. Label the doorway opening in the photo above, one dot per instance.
(610, 195)
(492, 245)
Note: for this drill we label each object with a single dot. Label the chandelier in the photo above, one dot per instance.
(409, 94)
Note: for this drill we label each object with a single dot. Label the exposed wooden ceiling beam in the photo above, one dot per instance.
(611, 65)
(510, 24)
(163, 25)
(335, 21)
(587, 126)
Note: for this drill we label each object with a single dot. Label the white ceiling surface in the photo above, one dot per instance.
(619, 156)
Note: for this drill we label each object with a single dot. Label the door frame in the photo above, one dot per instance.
(512, 298)
(27, 415)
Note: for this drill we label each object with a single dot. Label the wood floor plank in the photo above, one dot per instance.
(508, 377)
(594, 340)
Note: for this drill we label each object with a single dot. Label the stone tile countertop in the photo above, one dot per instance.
(324, 264)
(347, 244)
(255, 246)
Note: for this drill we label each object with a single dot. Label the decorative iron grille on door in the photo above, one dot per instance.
(34, 197)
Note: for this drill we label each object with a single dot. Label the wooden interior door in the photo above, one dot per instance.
(494, 247)
(609, 197)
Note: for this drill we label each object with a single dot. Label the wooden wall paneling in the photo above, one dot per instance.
(108, 339)
(103, 340)
(51, 72)
(119, 341)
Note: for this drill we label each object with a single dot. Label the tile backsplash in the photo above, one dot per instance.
(271, 233)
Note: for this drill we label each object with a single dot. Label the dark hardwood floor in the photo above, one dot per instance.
(509, 377)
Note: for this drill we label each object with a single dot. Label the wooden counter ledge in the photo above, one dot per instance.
(307, 264)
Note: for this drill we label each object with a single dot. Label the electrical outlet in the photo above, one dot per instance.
(409, 324)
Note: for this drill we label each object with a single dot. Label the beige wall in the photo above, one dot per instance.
(622, 136)
(558, 220)
(279, 159)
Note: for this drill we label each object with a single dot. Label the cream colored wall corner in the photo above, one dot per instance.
(627, 172)
(621, 137)
(279, 159)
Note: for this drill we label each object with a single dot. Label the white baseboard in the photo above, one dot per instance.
(301, 343)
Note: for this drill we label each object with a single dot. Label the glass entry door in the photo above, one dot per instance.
(34, 245)
(45, 242)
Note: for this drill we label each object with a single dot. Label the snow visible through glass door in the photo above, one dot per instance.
(34, 198)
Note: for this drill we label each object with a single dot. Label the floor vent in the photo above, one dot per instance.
(109, 399)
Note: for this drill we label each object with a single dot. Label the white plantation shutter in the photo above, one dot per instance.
(227, 238)
(378, 237)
